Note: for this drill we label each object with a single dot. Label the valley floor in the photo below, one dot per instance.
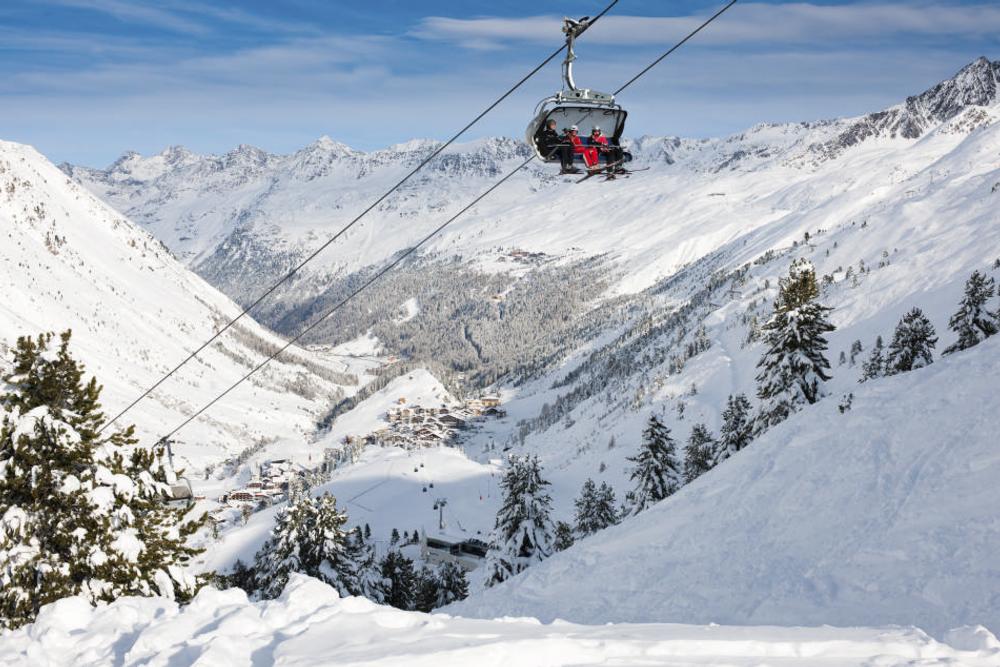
(310, 625)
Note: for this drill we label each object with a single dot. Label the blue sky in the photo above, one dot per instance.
(85, 80)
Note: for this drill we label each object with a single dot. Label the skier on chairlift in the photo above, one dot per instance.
(589, 154)
(598, 140)
(550, 143)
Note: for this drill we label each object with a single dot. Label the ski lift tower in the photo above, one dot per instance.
(439, 506)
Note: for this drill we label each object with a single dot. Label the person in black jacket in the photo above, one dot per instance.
(549, 143)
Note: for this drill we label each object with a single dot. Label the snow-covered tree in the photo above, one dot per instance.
(425, 590)
(366, 578)
(285, 550)
(399, 580)
(874, 365)
(452, 584)
(563, 536)
(241, 576)
(326, 551)
(698, 454)
(793, 369)
(437, 587)
(973, 322)
(595, 508)
(856, 349)
(657, 471)
(737, 428)
(523, 532)
(912, 344)
(81, 512)
(307, 537)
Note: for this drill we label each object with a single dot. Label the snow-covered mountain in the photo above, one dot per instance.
(243, 218)
(68, 261)
(597, 305)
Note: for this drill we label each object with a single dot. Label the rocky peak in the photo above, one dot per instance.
(177, 155)
(974, 85)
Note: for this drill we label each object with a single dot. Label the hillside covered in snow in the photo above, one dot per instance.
(881, 514)
(68, 261)
(587, 309)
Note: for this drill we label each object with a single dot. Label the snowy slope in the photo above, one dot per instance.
(885, 514)
(388, 487)
(68, 261)
(895, 209)
(310, 625)
(240, 219)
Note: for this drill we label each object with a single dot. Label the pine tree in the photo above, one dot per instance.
(737, 428)
(452, 584)
(563, 536)
(605, 510)
(595, 508)
(307, 537)
(856, 349)
(366, 578)
(793, 368)
(326, 555)
(874, 366)
(398, 580)
(912, 344)
(284, 551)
(657, 471)
(584, 505)
(81, 513)
(425, 595)
(241, 576)
(972, 322)
(698, 453)
(523, 532)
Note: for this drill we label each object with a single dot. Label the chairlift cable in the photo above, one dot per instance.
(270, 290)
(421, 243)
(675, 46)
(396, 262)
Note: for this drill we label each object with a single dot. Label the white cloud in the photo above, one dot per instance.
(744, 24)
(135, 12)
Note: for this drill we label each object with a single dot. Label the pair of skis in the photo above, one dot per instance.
(610, 171)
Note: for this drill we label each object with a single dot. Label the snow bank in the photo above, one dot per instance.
(884, 514)
(310, 625)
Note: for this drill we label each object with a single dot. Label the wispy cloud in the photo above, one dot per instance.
(186, 16)
(138, 12)
(745, 24)
(296, 65)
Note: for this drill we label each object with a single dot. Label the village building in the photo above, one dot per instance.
(468, 553)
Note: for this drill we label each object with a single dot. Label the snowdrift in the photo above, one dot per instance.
(310, 625)
(884, 514)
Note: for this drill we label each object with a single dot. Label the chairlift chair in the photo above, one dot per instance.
(582, 107)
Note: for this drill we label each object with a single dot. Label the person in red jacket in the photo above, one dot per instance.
(598, 139)
(589, 154)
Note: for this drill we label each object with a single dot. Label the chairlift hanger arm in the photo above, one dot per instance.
(572, 28)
